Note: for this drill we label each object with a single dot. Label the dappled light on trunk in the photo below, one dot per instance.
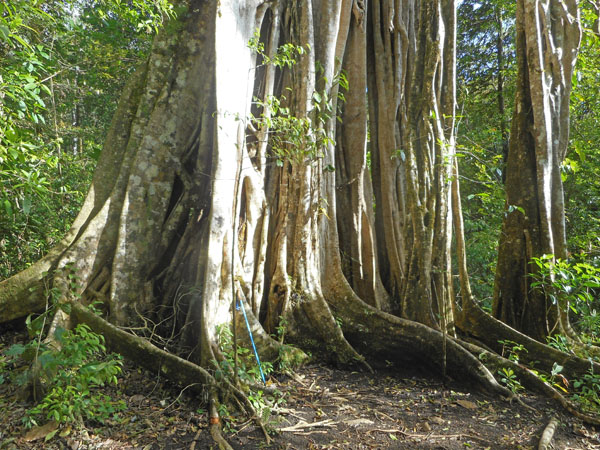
(548, 37)
(296, 159)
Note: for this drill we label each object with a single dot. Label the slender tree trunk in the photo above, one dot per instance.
(500, 88)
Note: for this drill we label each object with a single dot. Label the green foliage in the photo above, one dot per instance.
(484, 78)
(588, 391)
(64, 63)
(483, 207)
(70, 373)
(289, 357)
(509, 378)
(146, 15)
(281, 328)
(285, 56)
(3, 364)
(559, 342)
(247, 368)
(554, 378)
(66, 374)
(574, 286)
(581, 169)
(248, 374)
(296, 140)
(511, 350)
(73, 373)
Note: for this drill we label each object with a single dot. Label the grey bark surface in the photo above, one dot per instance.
(548, 36)
(192, 209)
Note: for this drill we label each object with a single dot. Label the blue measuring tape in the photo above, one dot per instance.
(241, 304)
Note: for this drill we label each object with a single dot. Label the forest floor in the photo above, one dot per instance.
(322, 408)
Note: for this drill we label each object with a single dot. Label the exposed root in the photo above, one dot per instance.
(319, 313)
(215, 426)
(21, 295)
(386, 337)
(548, 433)
(171, 366)
(248, 408)
(490, 331)
(143, 352)
(531, 381)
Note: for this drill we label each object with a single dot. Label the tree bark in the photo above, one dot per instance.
(197, 205)
(548, 36)
(412, 96)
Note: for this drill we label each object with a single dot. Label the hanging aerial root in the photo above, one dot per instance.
(531, 381)
(548, 434)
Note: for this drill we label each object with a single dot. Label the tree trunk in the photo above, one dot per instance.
(500, 87)
(161, 238)
(548, 36)
(204, 196)
(412, 96)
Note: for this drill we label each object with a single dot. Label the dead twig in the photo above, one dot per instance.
(303, 425)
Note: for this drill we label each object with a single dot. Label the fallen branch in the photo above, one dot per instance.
(303, 425)
(547, 434)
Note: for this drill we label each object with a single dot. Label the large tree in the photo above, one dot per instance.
(226, 177)
(548, 37)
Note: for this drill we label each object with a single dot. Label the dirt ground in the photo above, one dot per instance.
(322, 408)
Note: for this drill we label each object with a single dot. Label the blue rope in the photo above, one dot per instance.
(262, 375)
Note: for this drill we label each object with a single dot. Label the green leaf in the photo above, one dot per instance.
(8, 207)
(4, 33)
(556, 369)
(26, 206)
(15, 350)
(21, 41)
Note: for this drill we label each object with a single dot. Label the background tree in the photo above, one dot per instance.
(481, 165)
(486, 71)
(579, 169)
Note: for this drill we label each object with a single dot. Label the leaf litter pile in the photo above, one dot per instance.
(318, 408)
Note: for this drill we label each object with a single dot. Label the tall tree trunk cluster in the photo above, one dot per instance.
(241, 167)
(203, 198)
(411, 105)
